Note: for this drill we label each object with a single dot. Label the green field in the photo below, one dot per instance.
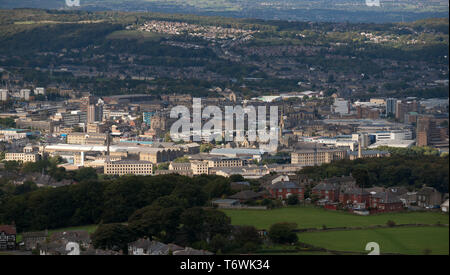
(311, 217)
(404, 240)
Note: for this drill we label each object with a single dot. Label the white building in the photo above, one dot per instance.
(341, 106)
(39, 91)
(3, 95)
(25, 94)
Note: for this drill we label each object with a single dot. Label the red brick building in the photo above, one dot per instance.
(355, 196)
(326, 191)
(284, 189)
(385, 202)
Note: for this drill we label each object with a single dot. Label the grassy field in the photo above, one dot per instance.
(404, 240)
(311, 217)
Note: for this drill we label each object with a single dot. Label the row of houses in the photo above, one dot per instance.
(79, 242)
(336, 192)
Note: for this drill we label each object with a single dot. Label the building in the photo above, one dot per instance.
(283, 189)
(341, 106)
(385, 202)
(25, 94)
(428, 133)
(94, 113)
(31, 240)
(354, 196)
(200, 167)
(7, 237)
(225, 162)
(158, 155)
(391, 105)
(326, 191)
(40, 125)
(245, 195)
(429, 197)
(39, 91)
(226, 203)
(96, 128)
(148, 247)
(312, 157)
(22, 157)
(86, 138)
(368, 154)
(4, 95)
(147, 118)
(127, 167)
(444, 206)
(177, 166)
(73, 118)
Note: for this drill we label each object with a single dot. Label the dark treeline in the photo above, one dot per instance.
(94, 201)
(169, 208)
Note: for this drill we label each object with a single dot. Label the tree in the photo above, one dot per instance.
(200, 224)
(283, 233)
(236, 178)
(26, 187)
(85, 173)
(292, 200)
(156, 221)
(247, 238)
(113, 236)
(206, 147)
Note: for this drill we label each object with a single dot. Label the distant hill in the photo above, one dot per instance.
(293, 10)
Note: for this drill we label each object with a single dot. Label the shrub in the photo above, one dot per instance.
(390, 223)
(283, 233)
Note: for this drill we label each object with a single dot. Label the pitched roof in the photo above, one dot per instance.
(245, 195)
(285, 185)
(356, 191)
(387, 197)
(71, 236)
(325, 186)
(39, 234)
(191, 251)
(8, 229)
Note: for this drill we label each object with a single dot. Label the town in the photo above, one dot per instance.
(353, 146)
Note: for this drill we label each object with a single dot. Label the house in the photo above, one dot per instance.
(355, 196)
(326, 191)
(53, 248)
(280, 178)
(240, 185)
(245, 196)
(343, 181)
(7, 237)
(283, 189)
(226, 203)
(192, 252)
(147, 247)
(385, 202)
(429, 197)
(32, 239)
(81, 237)
(409, 198)
(444, 206)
